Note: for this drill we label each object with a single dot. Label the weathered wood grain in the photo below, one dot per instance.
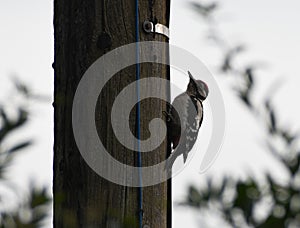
(81, 197)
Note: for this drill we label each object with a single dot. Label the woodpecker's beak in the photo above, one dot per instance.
(192, 80)
(191, 77)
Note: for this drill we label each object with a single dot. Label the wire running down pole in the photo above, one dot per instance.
(138, 114)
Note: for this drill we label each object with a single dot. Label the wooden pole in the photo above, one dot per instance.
(85, 30)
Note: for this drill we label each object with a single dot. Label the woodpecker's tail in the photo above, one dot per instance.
(169, 162)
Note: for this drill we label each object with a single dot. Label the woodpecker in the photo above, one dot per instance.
(184, 118)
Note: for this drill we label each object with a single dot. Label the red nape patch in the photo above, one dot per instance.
(175, 142)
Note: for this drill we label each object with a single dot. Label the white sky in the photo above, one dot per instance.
(270, 31)
(269, 28)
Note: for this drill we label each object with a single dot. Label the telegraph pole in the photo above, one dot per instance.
(85, 30)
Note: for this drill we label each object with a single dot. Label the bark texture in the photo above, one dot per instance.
(81, 197)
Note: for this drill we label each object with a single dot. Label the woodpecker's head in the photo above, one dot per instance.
(197, 88)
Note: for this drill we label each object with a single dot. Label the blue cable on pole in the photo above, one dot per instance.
(138, 114)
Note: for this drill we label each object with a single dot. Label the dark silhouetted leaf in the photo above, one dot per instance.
(8, 125)
(245, 97)
(194, 197)
(249, 78)
(229, 57)
(205, 10)
(272, 118)
(272, 222)
(288, 137)
(38, 198)
(246, 196)
(20, 146)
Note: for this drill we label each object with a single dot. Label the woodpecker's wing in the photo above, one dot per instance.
(187, 115)
(192, 128)
(179, 113)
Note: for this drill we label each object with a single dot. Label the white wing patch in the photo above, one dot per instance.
(199, 114)
(185, 112)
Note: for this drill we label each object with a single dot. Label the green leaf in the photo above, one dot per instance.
(38, 198)
(272, 222)
(247, 195)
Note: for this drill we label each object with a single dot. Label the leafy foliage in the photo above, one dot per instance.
(32, 210)
(282, 202)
